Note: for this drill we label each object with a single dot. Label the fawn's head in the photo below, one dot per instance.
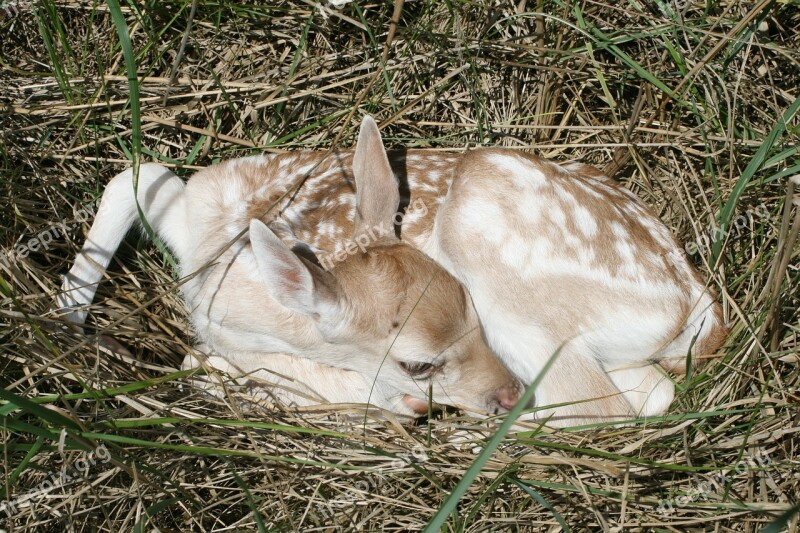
(400, 317)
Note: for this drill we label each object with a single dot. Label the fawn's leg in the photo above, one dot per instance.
(645, 385)
(575, 390)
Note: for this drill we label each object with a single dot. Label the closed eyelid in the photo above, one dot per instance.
(421, 369)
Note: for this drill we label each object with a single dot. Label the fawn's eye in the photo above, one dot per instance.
(418, 370)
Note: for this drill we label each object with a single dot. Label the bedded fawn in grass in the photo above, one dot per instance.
(502, 259)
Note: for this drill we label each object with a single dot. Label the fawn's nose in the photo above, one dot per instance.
(508, 396)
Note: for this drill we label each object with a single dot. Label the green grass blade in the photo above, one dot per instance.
(133, 84)
(151, 511)
(46, 33)
(251, 502)
(43, 413)
(32, 451)
(474, 470)
(541, 501)
(756, 163)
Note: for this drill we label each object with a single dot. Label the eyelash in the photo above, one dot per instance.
(418, 369)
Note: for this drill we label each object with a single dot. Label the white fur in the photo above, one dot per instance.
(159, 195)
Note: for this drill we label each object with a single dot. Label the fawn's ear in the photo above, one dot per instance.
(377, 191)
(295, 283)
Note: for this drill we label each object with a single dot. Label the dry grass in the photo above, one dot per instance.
(676, 101)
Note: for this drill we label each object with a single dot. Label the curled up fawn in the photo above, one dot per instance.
(313, 271)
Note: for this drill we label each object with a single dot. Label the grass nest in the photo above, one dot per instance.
(691, 105)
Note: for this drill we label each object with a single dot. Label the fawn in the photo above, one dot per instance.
(498, 253)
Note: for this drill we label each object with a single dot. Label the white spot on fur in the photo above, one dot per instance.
(585, 221)
(586, 255)
(524, 174)
(573, 241)
(515, 251)
(531, 206)
(619, 231)
(588, 190)
(557, 216)
(566, 196)
(624, 249)
(485, 219)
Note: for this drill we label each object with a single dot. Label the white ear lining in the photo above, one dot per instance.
(288, 279)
